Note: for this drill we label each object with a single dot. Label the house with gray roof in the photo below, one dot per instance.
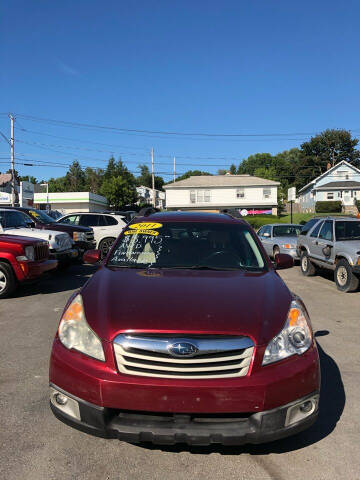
(341, 182)
(217, 192)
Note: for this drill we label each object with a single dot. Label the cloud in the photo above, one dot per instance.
(65, 68)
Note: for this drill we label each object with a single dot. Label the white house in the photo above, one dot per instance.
(69, 202)
(217, 192)
(341, 182)
(145, 196)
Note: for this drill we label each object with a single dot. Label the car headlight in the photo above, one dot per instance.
(79, 237)
(295, 338)
(30, 253)
(289, 245)
(75, 333)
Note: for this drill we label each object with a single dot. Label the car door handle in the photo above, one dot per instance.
(322, 244)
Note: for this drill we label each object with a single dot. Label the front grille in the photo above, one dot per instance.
(41, 251)
(63, 241)
(149, 356)
(89, 236)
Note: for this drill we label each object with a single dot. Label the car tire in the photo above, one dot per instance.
(345, 280)
(276, 251)
(105, 245)
(307, 267)
(7, 280)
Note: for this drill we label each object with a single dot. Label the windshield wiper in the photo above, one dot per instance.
(198, 267)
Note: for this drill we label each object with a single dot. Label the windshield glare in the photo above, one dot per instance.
(347, 230)
(187, 245)
(40, 216)
(287, 230)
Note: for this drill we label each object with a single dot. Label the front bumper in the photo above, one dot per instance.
(290, 251)
(82, 247)
(35, 269)
(64, 256)
(191, 429)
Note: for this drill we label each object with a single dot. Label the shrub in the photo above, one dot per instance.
(258, 221)
(328, 207)
(357, 203)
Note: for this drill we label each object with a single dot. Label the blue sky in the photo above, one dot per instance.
(243, 67)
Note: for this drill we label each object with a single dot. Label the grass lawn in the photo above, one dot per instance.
(258, 221)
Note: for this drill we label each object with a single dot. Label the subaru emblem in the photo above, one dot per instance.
(182, 349)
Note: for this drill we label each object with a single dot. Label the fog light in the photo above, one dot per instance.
(65, 403)
(60, 399)
(306, 406)
(302, 410)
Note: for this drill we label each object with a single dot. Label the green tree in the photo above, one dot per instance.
(93, 179)
(192, 173)
(28, 178)
(75, 178)
(325, 150)
(249, 165)
(145, 178)
(119, 192)
(232, 169)
(222, 171)
(57, 184)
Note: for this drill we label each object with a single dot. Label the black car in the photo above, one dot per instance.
(82, 236)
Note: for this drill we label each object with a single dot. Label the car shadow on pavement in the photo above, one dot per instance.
(332, 402)
(59, 281)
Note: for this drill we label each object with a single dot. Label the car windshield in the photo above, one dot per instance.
(347, 230)
(40, 216)
(286, 230)
(217, 246)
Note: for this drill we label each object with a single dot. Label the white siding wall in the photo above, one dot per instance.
(222, 196)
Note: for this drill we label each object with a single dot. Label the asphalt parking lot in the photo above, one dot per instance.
(34, 445)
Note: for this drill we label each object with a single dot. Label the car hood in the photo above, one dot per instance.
(32, 232)
(63, 227)
(186, 301)
(16, 239)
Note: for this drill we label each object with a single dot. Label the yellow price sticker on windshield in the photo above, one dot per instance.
(154, 233)
(145, 226)
(35, 214)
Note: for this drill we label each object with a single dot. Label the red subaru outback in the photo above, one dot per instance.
(186, 333)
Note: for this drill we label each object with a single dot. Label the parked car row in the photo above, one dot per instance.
(32, 242)
(331, 243)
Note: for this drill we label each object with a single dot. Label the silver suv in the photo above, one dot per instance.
(332, 243)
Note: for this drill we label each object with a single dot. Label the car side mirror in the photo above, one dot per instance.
(30, 224)
(266, 235)
(283, 261)
(92, 256)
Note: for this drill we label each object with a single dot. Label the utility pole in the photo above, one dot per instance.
(12, 120)
(153, 178)
(174, 165)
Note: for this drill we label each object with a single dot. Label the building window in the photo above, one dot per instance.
(340, 194)
(266, 192)
(240, 193)
(200, 196)
(330, 196)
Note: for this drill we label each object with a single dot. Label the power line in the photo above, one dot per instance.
(157, 132)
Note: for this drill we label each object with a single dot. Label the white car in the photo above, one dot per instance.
(14, 222)
(107, 227)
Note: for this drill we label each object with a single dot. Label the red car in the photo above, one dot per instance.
(22, 259)
(186, 333)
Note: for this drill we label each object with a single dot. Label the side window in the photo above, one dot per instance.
(267, 231)
(89, 220)
(102, 221)
(71, 220)
(308, 226)
(110, 220)
(261, 231)
(316, 230)
(326, 233)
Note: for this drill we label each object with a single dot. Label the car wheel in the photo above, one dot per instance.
(105, 245)
(345, 280)
(276, 251)
(307, 267)
(7, 280)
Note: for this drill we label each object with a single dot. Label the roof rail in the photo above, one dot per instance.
(226, 211)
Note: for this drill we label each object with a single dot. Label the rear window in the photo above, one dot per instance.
(286, 231)
(188, 245)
